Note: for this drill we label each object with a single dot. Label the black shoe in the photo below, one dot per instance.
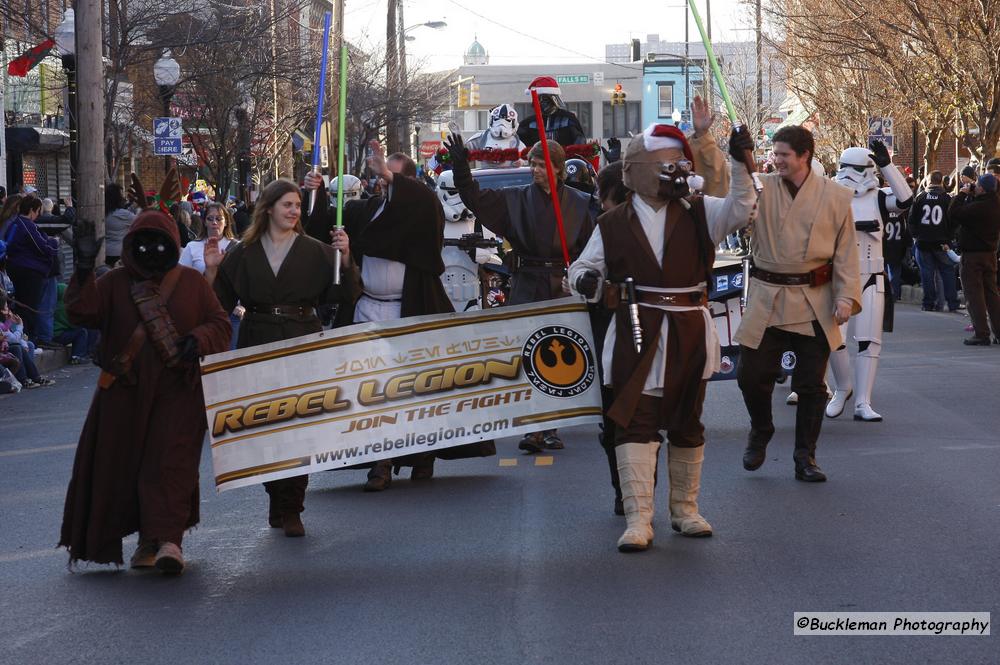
(809, 473)
(976, 341)
(756, 450)
(531, 443)
(292, 524)
(928, 308)
(553, 442)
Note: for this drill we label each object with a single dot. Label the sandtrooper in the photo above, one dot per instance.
(871, 207)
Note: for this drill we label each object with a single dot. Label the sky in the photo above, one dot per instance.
(533, 31)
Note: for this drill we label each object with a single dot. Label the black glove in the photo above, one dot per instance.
(86, 246)
(459, 156)
(880, 153)
(613, 152)
(739, 142)
(187, 347)
(586, 284)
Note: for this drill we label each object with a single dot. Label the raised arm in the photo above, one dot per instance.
(489, 206)
(729, 214)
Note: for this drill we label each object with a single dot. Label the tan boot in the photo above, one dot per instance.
(145, 554)
(685, 480)
(169, 559)
(636, 466)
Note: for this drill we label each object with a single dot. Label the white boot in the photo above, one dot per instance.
(685, 480)
(636, 465)
(865, 368)
(792, 399)
(840, 373)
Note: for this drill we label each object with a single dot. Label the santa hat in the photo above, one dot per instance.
(544, 85)
(661, 137)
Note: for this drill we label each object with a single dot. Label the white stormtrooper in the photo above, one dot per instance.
(871, 207)
(461, 272)
(352, 188)
(500, 135)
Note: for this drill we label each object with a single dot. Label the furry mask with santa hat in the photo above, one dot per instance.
(658, 164)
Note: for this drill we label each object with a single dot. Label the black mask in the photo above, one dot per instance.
(673, 183)
(153, 252)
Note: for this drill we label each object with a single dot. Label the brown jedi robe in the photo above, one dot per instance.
(688, 256)
(136, 465)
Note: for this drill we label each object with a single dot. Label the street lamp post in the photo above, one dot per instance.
(434, 25)
(166, 73)
(65, 36)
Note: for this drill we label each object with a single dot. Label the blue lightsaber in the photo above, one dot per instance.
(319, 104)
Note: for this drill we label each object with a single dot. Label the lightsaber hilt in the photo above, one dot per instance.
(633, 313)
(745, 293)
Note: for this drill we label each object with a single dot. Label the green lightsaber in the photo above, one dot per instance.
(341, 123)
(714, 63)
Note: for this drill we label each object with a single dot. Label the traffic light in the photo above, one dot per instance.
(473, 94)
(463, 97)
(618, 96)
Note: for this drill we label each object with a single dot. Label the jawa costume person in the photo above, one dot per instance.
(561, 125)
(136, 466)
(663, 238)
(397, 241)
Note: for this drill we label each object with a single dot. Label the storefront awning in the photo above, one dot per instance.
(36, 139)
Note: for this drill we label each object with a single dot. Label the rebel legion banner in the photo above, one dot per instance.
(380, 390)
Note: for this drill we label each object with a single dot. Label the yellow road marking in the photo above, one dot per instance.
(545, 460)
(508, 461)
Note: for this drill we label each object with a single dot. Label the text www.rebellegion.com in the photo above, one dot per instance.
(411, 440)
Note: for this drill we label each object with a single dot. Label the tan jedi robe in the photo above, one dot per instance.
(711, 164)
(796, 236)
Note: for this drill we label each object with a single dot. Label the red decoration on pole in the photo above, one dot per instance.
(540, 122)
(21, 65)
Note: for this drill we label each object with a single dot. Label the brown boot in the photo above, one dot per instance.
(424, 469)
(380, 476)
(169, 559)
(292, 524)
(273, 513)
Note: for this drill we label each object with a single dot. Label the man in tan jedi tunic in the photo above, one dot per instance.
(804, 283)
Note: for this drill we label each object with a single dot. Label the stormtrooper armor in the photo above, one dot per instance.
(500, 135)
(871, 207)
(461, 272)
(352, 188)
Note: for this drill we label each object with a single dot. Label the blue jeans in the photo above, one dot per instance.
(46, 310)
(936, 262)
(26, 356)
(83, 341)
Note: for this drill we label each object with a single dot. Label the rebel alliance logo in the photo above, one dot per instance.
(558, 361)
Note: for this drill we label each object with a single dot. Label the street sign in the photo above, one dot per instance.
(573, 78)
(598, 78)
(881, 129)
(167, 133)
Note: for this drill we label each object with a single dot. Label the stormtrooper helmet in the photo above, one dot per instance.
(352, 187)
(857, 171)
(503, 121)
(454, 208)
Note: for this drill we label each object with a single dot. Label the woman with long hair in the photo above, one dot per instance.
(218, 224)
(280, 275)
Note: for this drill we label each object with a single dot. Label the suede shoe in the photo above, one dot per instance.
(423, 470)
(380, 476)
(145, 554)
(292, 524)
(169, 559)
(531, 443)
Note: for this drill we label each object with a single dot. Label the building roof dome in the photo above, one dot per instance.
(476, 54)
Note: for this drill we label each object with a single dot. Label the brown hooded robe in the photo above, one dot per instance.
(136, 466)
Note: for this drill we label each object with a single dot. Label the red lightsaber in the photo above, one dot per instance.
(551, 174)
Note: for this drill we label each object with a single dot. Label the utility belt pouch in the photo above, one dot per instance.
(612, 295)
(156, 319)
(821, 275)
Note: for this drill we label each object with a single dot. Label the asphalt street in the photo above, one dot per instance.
(512, 559)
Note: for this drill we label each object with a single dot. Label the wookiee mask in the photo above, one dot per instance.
(153, 251)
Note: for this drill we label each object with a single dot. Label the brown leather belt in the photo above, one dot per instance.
(287, 311)
(689, 299)
(816, 277)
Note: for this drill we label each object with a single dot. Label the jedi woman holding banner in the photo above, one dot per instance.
(280, 275)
